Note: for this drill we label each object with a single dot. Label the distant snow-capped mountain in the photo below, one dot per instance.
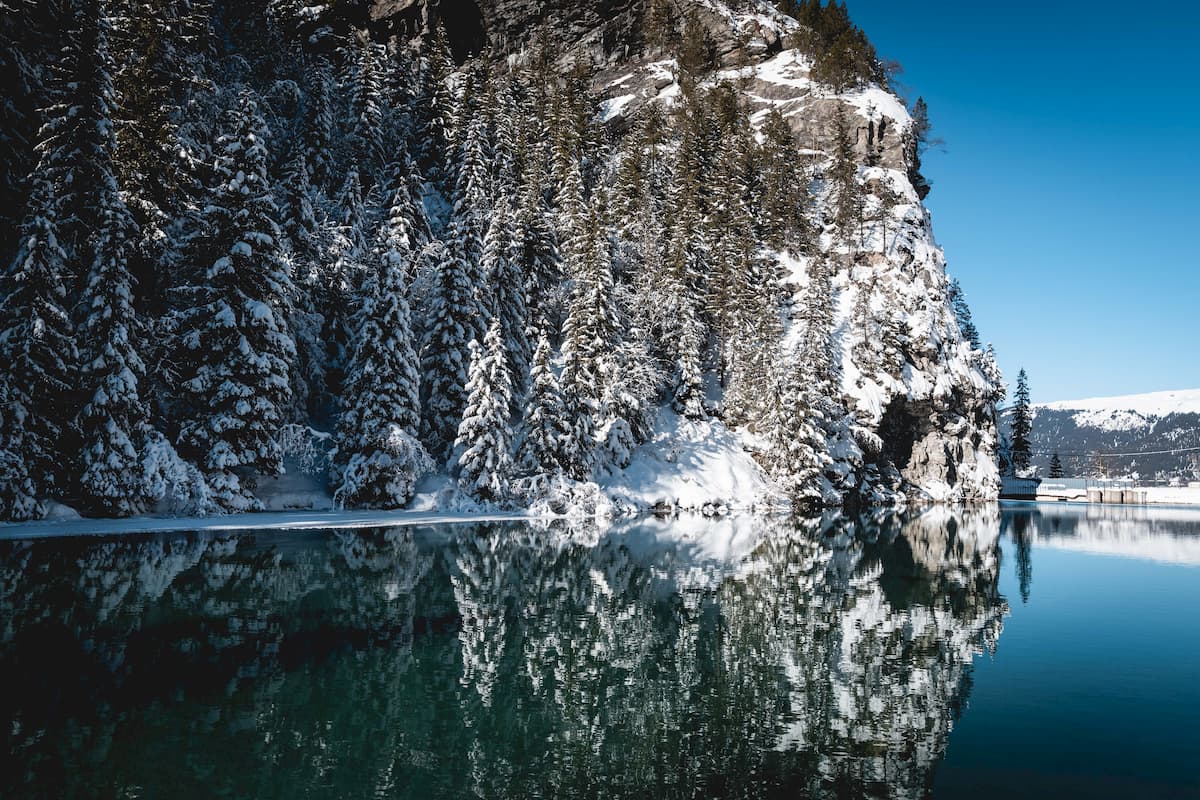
(1158, 428)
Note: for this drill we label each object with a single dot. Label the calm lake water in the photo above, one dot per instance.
(1028, 651)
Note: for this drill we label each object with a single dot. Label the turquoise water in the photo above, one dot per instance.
(1035, 651)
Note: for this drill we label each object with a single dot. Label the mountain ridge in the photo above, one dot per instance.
(1151, 436)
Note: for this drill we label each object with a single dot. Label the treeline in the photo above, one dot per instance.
(843, 56)
(232, 245)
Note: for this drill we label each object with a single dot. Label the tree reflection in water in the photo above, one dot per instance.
(743, 657)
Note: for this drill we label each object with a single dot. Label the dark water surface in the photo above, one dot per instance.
(1029, 651)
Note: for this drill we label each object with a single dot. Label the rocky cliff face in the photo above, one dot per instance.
(929, 417)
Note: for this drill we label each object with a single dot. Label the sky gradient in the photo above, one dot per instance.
(1066, 194)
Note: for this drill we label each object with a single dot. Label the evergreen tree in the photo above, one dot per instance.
(864, 352)
(683, 331)
(379, 456)
(234, 345)
(434, 110)
(543, 422)
(886, 201)
(786, 197)
(572, 206)
(962, 313)
(451, 325)
(37, 354)
(843, 177)
(1056, 467)
(537, 255)
(317, 134)
(347, 238)
(1022, 427)
(304, 252)
(113, 422)
(919, 141)
(38, 382)
(483, 454)
(500, 266)
(473, 187)
(366, 110)
(22, 92)
(798, 447)
(590, 340)
(152, 69)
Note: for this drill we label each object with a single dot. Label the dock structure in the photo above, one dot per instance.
(1078, 490)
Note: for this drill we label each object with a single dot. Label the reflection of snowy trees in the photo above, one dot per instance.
(501, 661)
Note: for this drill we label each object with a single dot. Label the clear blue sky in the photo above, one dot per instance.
(1068, 195)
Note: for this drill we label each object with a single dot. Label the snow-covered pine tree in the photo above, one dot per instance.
(406, 226)
(567, 175)
(458, 306)
(39, 382)
(37, 352)
(434, 110)
(113, 422)
(367, 130)
(347, 237)
(22, 92)
(152, 69)
(820, 367)
(543, 421)
(816, 345)
(1021, 429)
(78, 126)
(503, 110)
(630, 403)
(962, 312)
(798, 448)
(473, 188)
(590, 338)
(683, 333)
(304, 249)
(675, 259)
(235, 346)
(379, 457)
(742, 291)
(847, 194)
(483, 447)
(537, 256)
(501, 268)
(451, 324)
(786, 199)
(865, 351)
(398, 66)
(317, 132)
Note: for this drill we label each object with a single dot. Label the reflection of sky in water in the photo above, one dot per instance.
(680, 658)
(1092, 691)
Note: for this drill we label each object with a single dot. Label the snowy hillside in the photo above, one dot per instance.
(511, 254)
(1152, 436)
(1127, 412)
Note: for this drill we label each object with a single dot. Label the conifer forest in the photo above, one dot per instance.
(474, 248)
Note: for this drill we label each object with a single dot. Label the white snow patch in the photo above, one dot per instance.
(614, 107)
(691, 465)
